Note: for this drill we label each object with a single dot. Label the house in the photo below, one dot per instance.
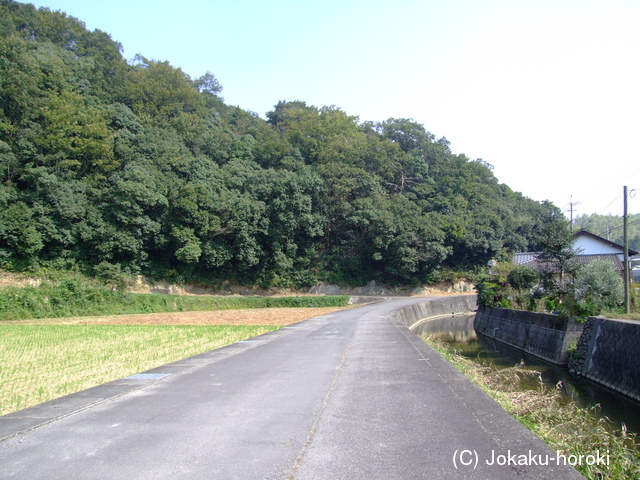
(588, 247)
(587, 243)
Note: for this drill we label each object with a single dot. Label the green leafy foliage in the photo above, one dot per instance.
(599, 285)
(558, 284)
(75, 296)
(522, 277)
(122, 168)
(493, 288)
(20, 237)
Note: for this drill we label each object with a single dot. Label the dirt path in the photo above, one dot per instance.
(256, 316)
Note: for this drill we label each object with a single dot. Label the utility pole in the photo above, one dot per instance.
(571, 205)
(627, 303)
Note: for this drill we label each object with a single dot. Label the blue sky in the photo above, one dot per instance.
(546, 91)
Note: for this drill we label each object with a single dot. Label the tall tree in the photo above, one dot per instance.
(159, 92)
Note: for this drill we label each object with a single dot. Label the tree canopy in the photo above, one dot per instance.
(140, 168)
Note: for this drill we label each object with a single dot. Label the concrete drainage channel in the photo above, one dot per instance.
(417, 313)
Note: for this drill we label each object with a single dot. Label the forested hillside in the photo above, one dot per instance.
(109, 165)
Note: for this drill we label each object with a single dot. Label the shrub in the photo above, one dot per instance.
(111, 274)
(599, 285)
(490, 292)
(522, 277)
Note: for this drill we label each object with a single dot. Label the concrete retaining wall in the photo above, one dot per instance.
(361, 300)
(435, 307)
(608, 353)
(542, 335)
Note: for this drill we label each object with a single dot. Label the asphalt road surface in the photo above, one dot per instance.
(349, 395)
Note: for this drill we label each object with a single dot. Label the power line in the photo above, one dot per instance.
(632, 224)
(593, 217)
(624, 174)
(602, 187)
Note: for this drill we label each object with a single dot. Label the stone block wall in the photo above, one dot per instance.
(543, 335)
(608, 353)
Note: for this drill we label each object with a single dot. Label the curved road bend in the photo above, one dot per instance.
(350, 395)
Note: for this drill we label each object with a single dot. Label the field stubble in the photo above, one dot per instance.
(44, 359)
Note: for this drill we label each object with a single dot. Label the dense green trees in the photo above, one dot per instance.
(136, 167)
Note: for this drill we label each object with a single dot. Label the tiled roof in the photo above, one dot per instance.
(531, 259)
(526, 257)
(613, 258)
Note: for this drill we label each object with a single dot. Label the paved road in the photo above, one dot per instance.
(350, 395)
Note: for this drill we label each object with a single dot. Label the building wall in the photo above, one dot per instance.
(592, 246)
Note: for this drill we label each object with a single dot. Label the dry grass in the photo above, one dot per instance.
(563, 426)
(249, 316)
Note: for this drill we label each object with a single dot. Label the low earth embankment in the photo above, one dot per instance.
(73, 295)
(72, 298)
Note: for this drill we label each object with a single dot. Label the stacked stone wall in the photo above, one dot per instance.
(608, 353)
(605, 351)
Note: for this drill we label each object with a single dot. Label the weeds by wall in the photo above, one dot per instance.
(72, 297)
(563, 426)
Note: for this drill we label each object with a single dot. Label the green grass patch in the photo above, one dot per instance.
(42, 362)
(71, 297)
(564, 426)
